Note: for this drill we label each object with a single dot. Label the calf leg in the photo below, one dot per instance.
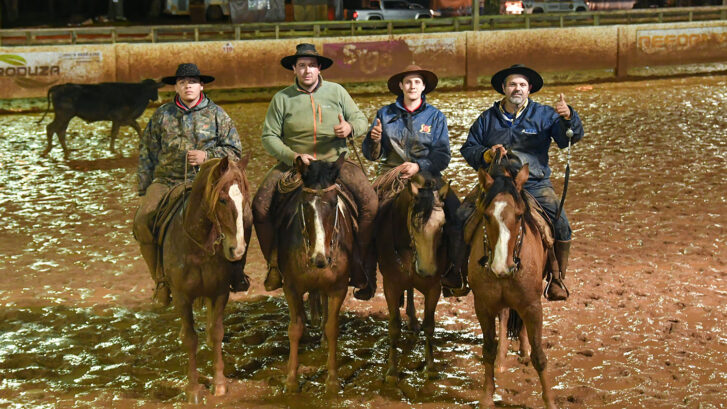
(430, 305)
(114, 132)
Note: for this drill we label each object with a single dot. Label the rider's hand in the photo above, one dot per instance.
(409, 170)
(306, 158)
(343, 129)
(490, 153)
(561, 107)
(196, 158)
(376, 131)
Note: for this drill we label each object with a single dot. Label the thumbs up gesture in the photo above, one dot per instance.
(343, 129)
(376, 131)
(561, 107)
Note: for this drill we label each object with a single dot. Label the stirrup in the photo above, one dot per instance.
(555, 292)
(162, 295)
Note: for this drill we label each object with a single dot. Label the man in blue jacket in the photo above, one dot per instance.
(526, 128)
(413, 134)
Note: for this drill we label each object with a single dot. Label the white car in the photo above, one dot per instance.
(542, 6)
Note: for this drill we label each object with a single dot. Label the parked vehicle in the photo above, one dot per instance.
(214, 9)
(542, 6)
(391, 10)
(598, 5)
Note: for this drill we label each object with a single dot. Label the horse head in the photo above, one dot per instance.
(425, 221)
(504, 209)
(227, 201)
(319, 208)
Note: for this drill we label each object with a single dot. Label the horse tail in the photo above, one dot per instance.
(47, 108)
(514, 324)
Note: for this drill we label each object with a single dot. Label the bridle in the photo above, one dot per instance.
(334, 235)
(484, 261)
(216, 222)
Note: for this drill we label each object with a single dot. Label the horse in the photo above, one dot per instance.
(204, 248)
(506, 266)
(412, 254)
(315, 247)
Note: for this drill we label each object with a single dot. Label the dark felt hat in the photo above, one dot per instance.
(305, 50)
(430, 79)
(187, 69)
(534, 79)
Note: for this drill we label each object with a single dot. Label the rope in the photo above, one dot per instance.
(390, 183)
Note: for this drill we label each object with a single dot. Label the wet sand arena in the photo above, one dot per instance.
(644, 327)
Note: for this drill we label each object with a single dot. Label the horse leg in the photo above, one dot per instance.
(114, 133)
(411, 312)
(489, 350)
(393, 295)
(430, 305)
(525, 349)
(324, 309)
(188, 336)
(295, 332)
(334, 307)
(314, 306)
(533, 318)
(215, 333)
(502, 341)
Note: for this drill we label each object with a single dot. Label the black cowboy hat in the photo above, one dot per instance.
(430, 79)
(534, 79)
(187, 69)
(305, 50)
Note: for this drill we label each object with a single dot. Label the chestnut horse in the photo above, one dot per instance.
(506, 267)
(314, 249)
(204, 247)
(412, 253)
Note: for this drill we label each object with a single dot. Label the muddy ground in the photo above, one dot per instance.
(644, 327)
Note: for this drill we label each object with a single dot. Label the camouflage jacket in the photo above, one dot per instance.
(173, 130)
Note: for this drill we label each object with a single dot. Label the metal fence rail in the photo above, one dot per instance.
(253, 31)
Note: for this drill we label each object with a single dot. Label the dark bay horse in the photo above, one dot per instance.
(204, 247)
(506, 267)
(314, 250)
(412, 254)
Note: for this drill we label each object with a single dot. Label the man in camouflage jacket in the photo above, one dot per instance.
(181, 135)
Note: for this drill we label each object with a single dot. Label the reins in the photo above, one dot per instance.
(336, 228)
(569, 134)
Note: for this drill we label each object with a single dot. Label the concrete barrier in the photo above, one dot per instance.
(591, 51)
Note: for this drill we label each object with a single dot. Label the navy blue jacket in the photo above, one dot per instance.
(422, 136)
(528, 136)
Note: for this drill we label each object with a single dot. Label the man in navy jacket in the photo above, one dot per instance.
(526, 128)
(413, 134)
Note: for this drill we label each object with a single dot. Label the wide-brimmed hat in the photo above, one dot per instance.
(187, 69)
(430, 79)
(534, 79)
(305, 50)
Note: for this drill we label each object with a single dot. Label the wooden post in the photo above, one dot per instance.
(475, 15)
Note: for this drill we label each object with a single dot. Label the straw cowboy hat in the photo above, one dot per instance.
(534, 79)
(187, 69)
(305, 50)
(430, 79)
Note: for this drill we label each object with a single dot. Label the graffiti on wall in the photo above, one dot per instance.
(681, 39)
(42, 69)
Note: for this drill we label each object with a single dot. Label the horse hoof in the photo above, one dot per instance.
(333, 387)
(414, 326)
(292, 387)
(430, 373)
(194, 394)
(391, 377)
(220, 389)
(525, 360)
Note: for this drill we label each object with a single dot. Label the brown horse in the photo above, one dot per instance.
(204, 247)
(314, 250)
(506, 267)
(412, 254)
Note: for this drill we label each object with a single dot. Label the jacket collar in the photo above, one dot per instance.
(201, 103)
(400, 105)
(301, 89)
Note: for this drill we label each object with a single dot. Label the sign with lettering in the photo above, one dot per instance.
(41, 69)
(664, 41)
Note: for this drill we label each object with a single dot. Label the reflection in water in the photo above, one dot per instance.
(647, 202)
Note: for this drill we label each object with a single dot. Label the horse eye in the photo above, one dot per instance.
(223, 201)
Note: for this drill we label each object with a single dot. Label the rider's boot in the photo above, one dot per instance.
(454, 280)
(273, 280)
(161, 295)
(555, 289)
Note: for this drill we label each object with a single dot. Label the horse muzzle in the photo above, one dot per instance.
(506, 272)
(319, 260)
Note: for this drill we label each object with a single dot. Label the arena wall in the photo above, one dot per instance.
(571, 54)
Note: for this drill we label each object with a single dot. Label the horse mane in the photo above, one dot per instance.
(213, 184)
(424, 201)
(503, 182)
(320, 174)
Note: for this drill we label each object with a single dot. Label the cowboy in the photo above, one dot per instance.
(311, 120)
(181, 135)
(411, 135)
(525, 128)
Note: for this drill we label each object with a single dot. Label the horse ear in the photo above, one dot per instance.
(522, 177)
(340, 160)
(300, 166)
(224, 163)
(444, 190)
(242, 164)
(413, 187)
(485, 179)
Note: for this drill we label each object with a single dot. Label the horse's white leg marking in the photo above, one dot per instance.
(319, 247)
(499, 260)
(236, 196)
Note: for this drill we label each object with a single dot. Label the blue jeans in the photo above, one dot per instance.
(542, 190)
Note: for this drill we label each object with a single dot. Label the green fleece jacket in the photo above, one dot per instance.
(299, 121)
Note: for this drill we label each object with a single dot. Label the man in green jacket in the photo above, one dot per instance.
(311, 120)
(180, 135)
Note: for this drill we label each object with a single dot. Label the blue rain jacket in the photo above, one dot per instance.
(420, 137)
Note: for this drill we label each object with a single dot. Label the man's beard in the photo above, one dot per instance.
(516, 99)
